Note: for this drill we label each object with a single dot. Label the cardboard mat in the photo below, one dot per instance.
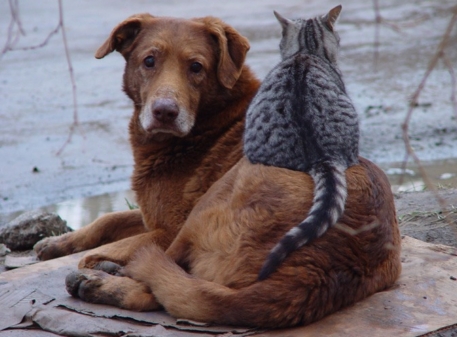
(34, 302)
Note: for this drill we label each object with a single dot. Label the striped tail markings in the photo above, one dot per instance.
(330, 192)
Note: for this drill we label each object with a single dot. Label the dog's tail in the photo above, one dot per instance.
(280, 301)
(330, 193)
(263, 304)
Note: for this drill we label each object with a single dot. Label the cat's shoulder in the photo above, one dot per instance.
(305, 60)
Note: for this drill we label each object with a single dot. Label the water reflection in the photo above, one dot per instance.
(443, 174)
(80, 212)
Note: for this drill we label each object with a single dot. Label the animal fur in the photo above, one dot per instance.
(176, 160)
(217, 229)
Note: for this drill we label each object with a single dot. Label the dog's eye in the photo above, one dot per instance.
(149, 61)
(196, 67)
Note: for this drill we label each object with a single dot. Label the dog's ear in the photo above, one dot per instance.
(232, 50)
(123, 35)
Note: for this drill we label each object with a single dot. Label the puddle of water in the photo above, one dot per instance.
(442, 174)
(80, 212)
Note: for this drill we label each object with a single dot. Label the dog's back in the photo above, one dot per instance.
(241, 218)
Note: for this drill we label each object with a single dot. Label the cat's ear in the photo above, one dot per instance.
(282, 20)
(332, 16)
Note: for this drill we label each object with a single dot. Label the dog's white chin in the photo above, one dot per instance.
(161, 135)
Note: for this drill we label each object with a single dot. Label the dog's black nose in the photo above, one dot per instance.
(165, 110)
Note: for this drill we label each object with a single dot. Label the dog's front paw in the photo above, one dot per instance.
(85, 284)
(54, 246)
(96, 286)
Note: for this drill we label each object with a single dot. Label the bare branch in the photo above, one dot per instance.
(15, 21)
(378, 21)
(14, 6)
(396, 27)
(45, 41)
(414, 102)
(13, 38)
(73, 82)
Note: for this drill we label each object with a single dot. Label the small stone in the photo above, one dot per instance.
(30, 227)
(453, 278)
(4, 250)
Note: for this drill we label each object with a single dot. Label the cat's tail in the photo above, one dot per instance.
(330, 193)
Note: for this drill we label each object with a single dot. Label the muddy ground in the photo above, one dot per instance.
(420, 216)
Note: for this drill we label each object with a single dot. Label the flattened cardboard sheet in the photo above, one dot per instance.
(422, 301)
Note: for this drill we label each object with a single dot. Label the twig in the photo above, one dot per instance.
(378, 21)
(414, 101)
(45, 41)
(13, 38)
(75, 123)
(15, 21)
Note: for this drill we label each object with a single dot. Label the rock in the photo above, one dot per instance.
(4, 250)
(30, 227)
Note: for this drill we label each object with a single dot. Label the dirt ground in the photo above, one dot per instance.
(420, 216)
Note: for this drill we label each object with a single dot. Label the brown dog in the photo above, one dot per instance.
(190, 90)
(209, 272)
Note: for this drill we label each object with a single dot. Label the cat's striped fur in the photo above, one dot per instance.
(302, 119)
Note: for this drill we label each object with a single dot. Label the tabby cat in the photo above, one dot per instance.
(302, 119)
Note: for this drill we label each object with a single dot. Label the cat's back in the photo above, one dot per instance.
(302, 115)
(316, 100)
(314, 71)
(302, 75)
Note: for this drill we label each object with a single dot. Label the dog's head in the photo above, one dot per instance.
(175, 66)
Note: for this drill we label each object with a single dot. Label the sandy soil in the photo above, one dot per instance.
(36, 98)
